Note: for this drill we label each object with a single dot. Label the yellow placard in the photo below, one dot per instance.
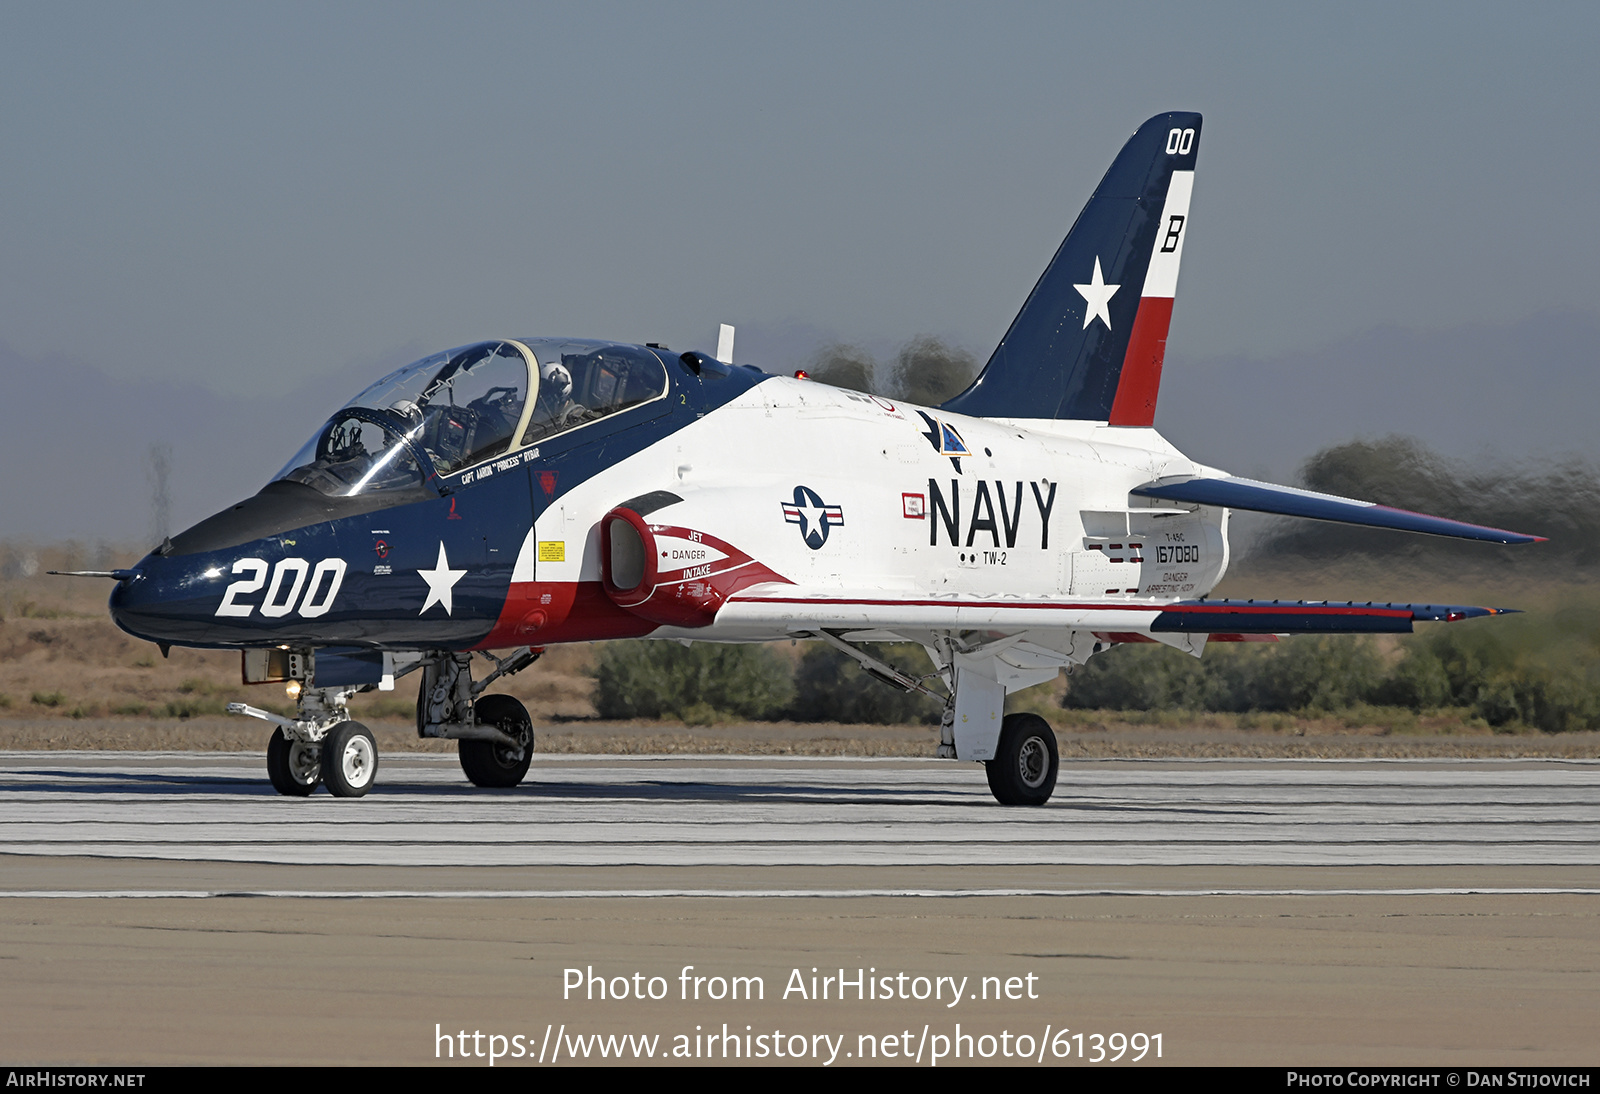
(552, 550)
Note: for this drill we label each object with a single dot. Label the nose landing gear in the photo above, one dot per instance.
(321, 746)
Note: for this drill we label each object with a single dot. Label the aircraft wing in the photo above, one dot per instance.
(781, 605)
(1287, 501)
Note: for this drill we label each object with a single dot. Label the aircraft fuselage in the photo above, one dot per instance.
(818, 486)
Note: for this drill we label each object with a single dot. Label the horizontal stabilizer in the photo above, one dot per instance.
(1307, 616)
(1286, 501)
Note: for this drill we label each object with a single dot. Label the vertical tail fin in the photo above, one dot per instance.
(1090, 339)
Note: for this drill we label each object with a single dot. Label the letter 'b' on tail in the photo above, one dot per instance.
(1090, 340)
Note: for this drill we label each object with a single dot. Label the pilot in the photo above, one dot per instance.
(555, 394)
(408, 410)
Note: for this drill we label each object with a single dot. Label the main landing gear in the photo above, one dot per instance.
(493, 733)
(497, 763)
(1018, 751)
(324, 746)
(1023, 771)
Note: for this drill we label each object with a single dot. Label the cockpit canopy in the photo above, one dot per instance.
(456, 409)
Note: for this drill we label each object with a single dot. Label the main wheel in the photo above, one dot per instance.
(349, 760)
(295, 767)
(1023, 771)
(490, 763)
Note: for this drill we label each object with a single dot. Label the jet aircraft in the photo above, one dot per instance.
(522, 492)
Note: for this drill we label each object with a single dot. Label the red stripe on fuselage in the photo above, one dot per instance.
(1135, 403)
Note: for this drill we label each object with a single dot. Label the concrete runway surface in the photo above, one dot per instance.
(169, 908)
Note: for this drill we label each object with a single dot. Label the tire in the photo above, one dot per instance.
(349, 760)
(422, 700)
(295, 767)
(1023, 771)
(489, 763)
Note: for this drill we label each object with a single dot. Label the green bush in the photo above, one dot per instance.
(1319, 673)
(695, 683)
(1528, 670)
(709, 682)
(1419, 682)
(831, 686)
(1535, 670)
(1310, 673)
(1137, 676)
(1541, 671)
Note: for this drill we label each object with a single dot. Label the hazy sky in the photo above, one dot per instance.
(247, 198)
(243, 195)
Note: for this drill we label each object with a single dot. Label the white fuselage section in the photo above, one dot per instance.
(845, 495)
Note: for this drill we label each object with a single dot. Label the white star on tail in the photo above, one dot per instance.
(441, 580)
(1097, 295)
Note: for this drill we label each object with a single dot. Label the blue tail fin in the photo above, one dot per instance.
(1090, 340)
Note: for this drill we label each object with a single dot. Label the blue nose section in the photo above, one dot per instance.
(168, 601)
(135, 605)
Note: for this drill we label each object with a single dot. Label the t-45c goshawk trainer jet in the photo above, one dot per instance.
(518, 493)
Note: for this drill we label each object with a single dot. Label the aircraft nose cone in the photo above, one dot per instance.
(135, 607)
(163, 601)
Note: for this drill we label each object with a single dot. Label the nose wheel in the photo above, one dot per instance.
(349, 760)
(322, 746)
(294, 766)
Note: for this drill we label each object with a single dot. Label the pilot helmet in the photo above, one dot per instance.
(408, 410)
(555, 383)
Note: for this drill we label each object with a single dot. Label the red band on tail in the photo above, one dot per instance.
(1141, 368)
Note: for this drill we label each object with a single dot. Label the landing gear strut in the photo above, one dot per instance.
(493, 733)
(1018, 751)
(321, 746)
